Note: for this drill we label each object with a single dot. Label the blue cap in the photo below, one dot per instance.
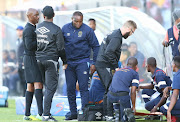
(19, 28)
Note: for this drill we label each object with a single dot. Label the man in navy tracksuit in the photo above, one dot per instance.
(96, 90)
(79, 40)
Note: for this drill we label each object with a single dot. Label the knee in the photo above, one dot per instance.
(163, 110)
(148, 107)
(38, 85)
(30, 87)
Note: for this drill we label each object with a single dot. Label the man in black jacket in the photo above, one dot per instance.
(50, 48)
(20, 55)
(109, 54)
(32, 72)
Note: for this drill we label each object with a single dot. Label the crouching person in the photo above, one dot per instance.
(172, 109)
(96, 90)
(119, 89)
(153, 93)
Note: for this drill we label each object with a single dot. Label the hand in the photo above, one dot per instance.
(168, 116)
(138, 89)
(154, 109)
(92, 69)
(112, 71)
(134, 110)
(166, 92)
(165, 44)
(65, 66)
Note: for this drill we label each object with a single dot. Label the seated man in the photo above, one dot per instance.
(119, 89)
(154, 98)
(173, 107)
(96, 90)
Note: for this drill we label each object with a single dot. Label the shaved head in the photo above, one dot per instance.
(132, 62)
(151, 61)
(30, 11)
(33, 15)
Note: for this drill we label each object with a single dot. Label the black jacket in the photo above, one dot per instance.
(20, 53)
(29, 40)
(50, 42)
(110, 50)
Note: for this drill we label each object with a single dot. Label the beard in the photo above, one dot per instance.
(126, 35)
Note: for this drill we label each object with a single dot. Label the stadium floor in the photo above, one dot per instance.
(9, 114)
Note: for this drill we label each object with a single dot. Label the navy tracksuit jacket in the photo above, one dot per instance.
(78, 45)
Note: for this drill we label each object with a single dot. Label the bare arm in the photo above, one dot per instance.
(172, 103)
(151, 86)
(133, 97)
(161, 102)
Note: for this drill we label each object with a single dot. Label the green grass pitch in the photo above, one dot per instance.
(9, 114)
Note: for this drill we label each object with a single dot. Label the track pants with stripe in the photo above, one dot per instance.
(77, 72)
(150, 103)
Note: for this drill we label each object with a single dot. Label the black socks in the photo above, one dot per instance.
(29, 97)
(39, 99)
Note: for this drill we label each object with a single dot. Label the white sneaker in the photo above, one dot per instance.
(39, 117)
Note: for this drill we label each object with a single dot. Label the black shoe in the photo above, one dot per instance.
(68, 114)
(71, 117)
(50, 118)
(129, 114)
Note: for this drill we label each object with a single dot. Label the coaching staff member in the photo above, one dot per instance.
(109, 54)
(50, 48)
(79, 40)
(32, 72)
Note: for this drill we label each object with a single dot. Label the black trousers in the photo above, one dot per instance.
(106, 79)
(49, 72)
(22, 80)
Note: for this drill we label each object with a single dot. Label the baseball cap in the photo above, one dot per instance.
(176, 14)
(48, 11)
(19, 28)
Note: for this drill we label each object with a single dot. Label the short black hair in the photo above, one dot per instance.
(176, 60)
(77, 13)
(91, 19)
(132, 61)
(151, 61)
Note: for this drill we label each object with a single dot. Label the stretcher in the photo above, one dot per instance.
(141, 115)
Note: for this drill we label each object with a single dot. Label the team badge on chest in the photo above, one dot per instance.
(68, 34)
(80, 34)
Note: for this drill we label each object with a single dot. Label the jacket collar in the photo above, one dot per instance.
(155, 72)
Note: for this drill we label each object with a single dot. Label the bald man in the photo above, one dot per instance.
(32, 72)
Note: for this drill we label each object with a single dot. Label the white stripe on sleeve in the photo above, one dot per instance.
(165, 106)
(135, 81)
(161, 83)
(145, 96)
